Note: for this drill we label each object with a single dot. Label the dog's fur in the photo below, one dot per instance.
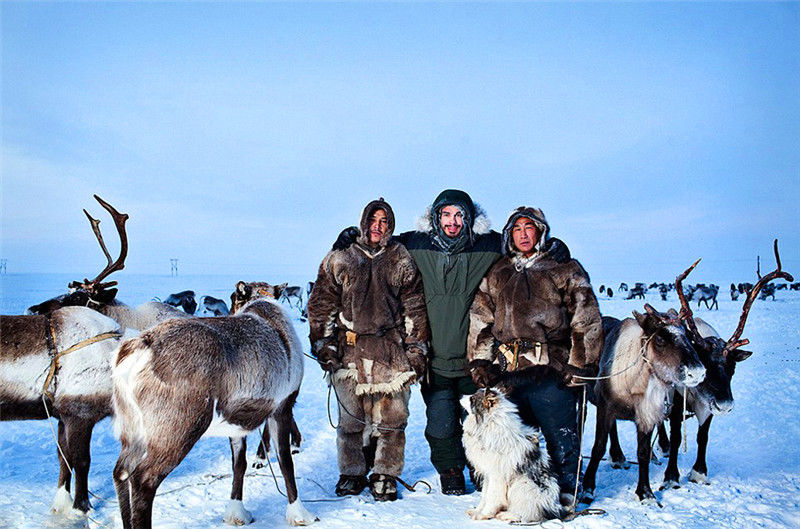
(518, 485)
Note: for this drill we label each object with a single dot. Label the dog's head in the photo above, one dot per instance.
(483, 402)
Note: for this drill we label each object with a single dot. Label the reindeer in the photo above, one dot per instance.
(213, 305)
(184, 300)
(293, 292)
(99, 296)
(713, 396)
(706, 294)
(59, 365)
(623, 287)
(636, 292)
(187, 378)
(243, 293)
(768, 291)
(663, 290)
(643, 358)
(794, 286)
(734, 293)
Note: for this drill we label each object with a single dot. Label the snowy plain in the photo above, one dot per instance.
(753, 455)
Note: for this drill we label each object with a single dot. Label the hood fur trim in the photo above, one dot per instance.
(480, 226)
(538, 218)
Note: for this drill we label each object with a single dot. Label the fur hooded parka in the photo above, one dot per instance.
(536, 299)
(376, 294)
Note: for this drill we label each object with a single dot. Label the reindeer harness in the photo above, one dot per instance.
(56, 355)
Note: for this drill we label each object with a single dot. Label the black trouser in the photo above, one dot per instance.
(445, 415)
(549, 405)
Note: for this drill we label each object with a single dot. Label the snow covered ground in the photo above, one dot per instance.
(753, 457)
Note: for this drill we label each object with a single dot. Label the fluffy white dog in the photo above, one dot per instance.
(517, 483)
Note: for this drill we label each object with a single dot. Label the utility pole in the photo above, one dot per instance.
(173, 267)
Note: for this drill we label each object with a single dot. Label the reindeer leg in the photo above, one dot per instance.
(663, 439)
(296, 513)
(297, 438)
(672, 474)
(62, 503)
(618, 459)
(699, 472)
(236, 514)
(602, 428)
(263, 448)
(643, 490)
(79, 434)
(122, 486)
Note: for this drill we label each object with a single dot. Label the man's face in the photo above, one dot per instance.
(451, 220)
(525, 235)
(378, 224)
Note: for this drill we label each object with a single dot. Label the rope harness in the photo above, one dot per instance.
(57, 355)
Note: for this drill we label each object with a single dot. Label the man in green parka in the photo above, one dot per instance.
(453, 249)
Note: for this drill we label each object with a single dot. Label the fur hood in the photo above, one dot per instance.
(480, 226)
(363, 239)
(538, 218)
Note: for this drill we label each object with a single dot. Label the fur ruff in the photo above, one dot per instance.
(518, 485)
(481, 226)
(396, 385)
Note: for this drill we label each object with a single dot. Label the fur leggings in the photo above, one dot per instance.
(378, 411)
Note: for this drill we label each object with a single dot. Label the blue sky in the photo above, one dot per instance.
(242, 137)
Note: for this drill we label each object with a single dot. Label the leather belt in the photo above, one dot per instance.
(531, 350)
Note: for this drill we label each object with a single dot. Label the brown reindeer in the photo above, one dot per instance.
(186, 378)
(713, 396)
(643, 359)
(100, 296)
(60, 365)
(243, 293)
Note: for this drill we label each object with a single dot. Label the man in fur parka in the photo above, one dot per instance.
(369, 330)
(534, 325)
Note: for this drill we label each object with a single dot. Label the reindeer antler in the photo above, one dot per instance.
(686, 311)
(734, 342)
(112, 266)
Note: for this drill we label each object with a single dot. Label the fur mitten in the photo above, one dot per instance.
(484, 373)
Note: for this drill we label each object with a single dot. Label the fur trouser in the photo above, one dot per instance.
(549, 405)
(366, 419)
(445, 415)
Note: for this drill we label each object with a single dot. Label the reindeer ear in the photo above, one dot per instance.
(672, 313)
(737, 355)
(650, 310)
(241, 288)
(640, 318)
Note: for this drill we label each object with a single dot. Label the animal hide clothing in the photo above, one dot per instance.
(367, 311)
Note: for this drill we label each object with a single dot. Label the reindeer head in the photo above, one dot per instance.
(245, 292)
(667, 348)
(718, 356)
(93, 293)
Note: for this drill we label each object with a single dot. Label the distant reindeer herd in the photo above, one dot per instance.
(169, 378)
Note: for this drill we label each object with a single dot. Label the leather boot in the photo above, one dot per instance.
(452, 481)
(350, 485)
(383, 487)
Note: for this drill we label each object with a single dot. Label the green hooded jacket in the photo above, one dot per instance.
(451, 271)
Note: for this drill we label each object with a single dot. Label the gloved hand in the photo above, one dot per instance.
(485, 373)
(572, 375)
(327, 354)
(418, 361)
(557, 250)
(346, 238)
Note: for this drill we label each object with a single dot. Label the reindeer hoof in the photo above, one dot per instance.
(587, 496)
(698, 477)
(295, 449)
(62, 503)
(297, 514)
(621, 464)
(669, 484)
(237, 514)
